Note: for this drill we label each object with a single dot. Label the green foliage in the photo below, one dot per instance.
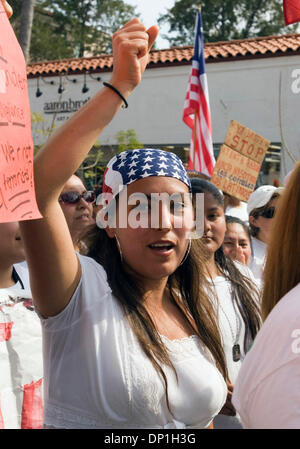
(128, 140)
(41, 126)
(73, 28)
(225, 20)
(93, 167)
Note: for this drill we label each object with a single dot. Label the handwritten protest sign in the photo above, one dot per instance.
(235, 174)
(17, 197)
(246, 142)
(239, 161)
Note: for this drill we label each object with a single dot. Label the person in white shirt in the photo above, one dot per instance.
(266, 392)
(261, 208)
(21, 364)
(233, 291)
(130, 339)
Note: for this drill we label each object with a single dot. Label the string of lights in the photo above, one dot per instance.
(63, 81)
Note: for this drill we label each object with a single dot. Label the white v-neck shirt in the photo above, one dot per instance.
(98, 376)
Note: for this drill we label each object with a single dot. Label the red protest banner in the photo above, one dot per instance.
(17, 196)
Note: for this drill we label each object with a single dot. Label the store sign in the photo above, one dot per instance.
(239, 161)
(63, 107)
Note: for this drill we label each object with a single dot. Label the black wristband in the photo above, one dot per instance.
(125, 105)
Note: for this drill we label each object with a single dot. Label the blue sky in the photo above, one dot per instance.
(150, 11)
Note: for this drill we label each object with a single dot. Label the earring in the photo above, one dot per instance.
(187, 252)
(119, 248)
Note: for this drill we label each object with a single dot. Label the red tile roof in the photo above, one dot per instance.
(214, 52)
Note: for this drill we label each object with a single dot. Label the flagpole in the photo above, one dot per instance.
(194, 139)
(195, 116)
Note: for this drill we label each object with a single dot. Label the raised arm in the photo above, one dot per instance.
(53, 265)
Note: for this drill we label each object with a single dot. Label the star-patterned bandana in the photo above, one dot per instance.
(129, 166)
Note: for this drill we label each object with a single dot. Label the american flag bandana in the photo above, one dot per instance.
(129, 166)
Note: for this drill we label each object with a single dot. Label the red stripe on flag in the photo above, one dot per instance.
(291, 11)
(194, 88)
(5, 331)
(204, 152)
(106, 188)
(32, 407)
(206, 155)
(205, 108)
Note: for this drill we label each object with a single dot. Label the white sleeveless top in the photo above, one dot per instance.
(97, 376)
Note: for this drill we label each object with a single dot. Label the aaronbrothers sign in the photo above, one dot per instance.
(239, 161)
(63, 107)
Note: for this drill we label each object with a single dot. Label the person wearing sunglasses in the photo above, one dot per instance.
(261, 208)
(77, 205)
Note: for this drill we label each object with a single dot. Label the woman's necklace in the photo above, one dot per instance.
(236, 350)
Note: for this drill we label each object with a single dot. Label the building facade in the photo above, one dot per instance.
(254, 81)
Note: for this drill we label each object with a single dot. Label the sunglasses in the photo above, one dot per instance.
(75, 197)
(268, 213)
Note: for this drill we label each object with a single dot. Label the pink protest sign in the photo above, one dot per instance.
(17, 196)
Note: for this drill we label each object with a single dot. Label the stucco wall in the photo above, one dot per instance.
(247, 91)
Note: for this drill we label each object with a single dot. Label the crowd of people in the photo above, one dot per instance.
(131, 323)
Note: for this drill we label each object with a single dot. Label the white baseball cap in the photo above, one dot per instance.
(261, 196)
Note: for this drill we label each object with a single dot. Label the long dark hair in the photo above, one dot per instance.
(187, 290)
(244, 291)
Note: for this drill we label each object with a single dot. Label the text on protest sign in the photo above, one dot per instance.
(239, 161)
(246, 142)
(17, 197)
(235, 174)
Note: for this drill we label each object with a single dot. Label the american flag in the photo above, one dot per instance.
(196, 113)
